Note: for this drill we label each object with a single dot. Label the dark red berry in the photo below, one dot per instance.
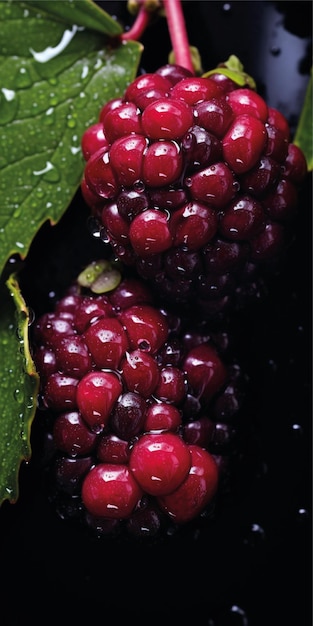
(160, 462)
(128, 417)
(96, 395)
(150, 233)
(162, 416)
(107, 342)
(112, 449)
(242, 219)
(162, 164)
(166, 118)
(72, 435)
(93, 140)
(244, 142)
(198, 488)
(245, 101)
(205, 371)
(195, 89)
(109, 490)
(140, 372)
(126, 156)
(122, 120)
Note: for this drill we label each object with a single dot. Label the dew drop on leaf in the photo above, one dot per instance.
(49, 117)
(8, 105)
(49, 173)
(23, 79)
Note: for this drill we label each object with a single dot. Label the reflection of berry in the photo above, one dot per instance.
(193, 181)
(139, 407)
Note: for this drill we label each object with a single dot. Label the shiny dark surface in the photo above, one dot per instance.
(251, 564)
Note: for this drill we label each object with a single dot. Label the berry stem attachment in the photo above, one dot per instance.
(139, 26)
(178, 33)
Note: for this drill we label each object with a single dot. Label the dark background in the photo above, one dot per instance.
(251, 565)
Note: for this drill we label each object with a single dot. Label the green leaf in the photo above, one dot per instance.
(80, 12)
(54, 80)
(304, 132)
(19, 385)
(233, 69)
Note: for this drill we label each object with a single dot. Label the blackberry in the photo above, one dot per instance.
(194, 183)
(140, 410)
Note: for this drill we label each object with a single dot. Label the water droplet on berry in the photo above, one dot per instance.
(93, 227)
(8, 105)
(144, 345)
(139, 186)
(104, 236)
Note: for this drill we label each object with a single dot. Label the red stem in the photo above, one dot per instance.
(139, 26)
(178, 33)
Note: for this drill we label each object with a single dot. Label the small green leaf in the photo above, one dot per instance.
(19, 385)
(80, 12)
(233, 68)
(100, 276)
(54, 80)
(304, 132)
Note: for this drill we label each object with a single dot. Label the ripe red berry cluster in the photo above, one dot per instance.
(141, 411)
(194, 182)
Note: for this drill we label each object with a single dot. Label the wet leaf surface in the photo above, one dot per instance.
(54, 78)
(19, 384)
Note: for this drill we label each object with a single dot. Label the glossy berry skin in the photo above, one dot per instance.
(160, 462)
(244, 143)
(110, 491)
(97, 393)
(145, 326)
(112, 449)
(198, 488)
(205, 371)
(178, 153)
(162, 416)
(72, 435)
(107, 342)
(93, 140)
(128, 388)
(166, 118)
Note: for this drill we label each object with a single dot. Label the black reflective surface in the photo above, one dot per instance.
(251, 566)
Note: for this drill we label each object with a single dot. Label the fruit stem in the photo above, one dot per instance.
(178, 33)
(139, 26)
